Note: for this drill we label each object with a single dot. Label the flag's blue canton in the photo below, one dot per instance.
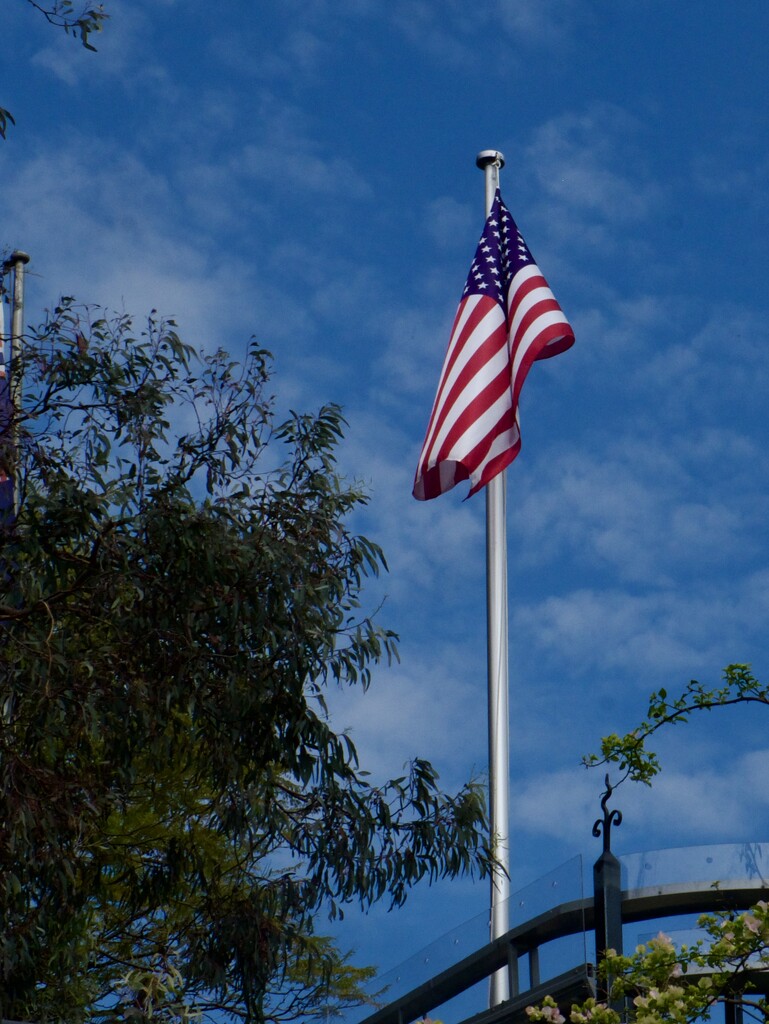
(500, 255)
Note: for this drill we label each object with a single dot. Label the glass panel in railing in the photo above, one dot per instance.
(444, 952)
(561, 955)
(706, 864)
(561, 886)
(682, 932)
(467, 1004)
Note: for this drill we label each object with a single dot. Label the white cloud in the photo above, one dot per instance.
(301, 54)
(619, 331)
(450, 223)
(420, 708)
(116, 234)
(427, 544)
(257, 152)
(703, 803)
(415, 340)
(717, 364)
(718, 803)
(300, 163)
(658, 635)
(443, 32)
(554, 803)
(460, 36)
(634, 506)
(547, 22)
(313, 37)
(581, 160)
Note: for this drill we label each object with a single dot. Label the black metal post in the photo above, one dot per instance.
(733, 1013)
(513, 981)
(607, 894)
(534, 977)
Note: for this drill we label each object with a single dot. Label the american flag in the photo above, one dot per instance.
(506, 319)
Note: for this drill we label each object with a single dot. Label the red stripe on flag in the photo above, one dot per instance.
(547, 335)
(456, 346)
(471, 374)
(502, 461)
(473, 412)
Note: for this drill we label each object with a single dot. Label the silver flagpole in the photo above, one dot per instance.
(491, 161)
(17, 260)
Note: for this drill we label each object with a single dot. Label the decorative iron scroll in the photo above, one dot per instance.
(613, 817)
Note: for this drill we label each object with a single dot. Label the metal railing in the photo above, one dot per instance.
(645, 903)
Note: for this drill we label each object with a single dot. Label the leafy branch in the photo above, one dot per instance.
(81, 25)
(629, 751)
(80, 22)
(6, 118)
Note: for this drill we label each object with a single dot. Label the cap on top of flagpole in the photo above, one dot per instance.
(17, 256)
(489, 156)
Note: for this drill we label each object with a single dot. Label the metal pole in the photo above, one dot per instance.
(490, 161)
(607, 896)
(17, 261)
(6, 481)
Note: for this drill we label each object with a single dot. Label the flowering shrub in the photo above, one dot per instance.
(659, 984)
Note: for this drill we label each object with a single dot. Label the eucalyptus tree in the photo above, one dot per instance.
(180, 588)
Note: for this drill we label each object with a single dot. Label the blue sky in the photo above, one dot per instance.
(305, 172)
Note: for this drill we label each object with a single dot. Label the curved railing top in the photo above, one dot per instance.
(563, 885)
(655, 884)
